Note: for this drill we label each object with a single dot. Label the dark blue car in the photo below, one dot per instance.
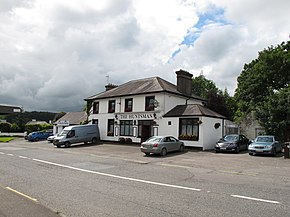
(36, 136)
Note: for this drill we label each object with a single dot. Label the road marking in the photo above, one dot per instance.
(24, 195)
(256, 199)
(238, 173)
(118, 177)
(23, 157)
(175, 165)
(133, 179)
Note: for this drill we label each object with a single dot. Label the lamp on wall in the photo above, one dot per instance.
(155, 116)
(116, 117)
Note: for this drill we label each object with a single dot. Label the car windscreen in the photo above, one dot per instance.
(154, 139)
(264, 139)
(231, 138)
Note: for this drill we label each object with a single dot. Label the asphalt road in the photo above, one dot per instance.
(118, 180)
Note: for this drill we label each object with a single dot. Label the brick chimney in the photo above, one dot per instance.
(184, 82)
(110, 86)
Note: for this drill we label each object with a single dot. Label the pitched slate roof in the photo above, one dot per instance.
(192, 110)
(74, 117)
(141, 86)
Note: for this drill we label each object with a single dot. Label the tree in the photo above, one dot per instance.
(218, 101)
(263, 87)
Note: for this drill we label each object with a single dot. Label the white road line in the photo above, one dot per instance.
(118, 177)
(2, 153)
(256, 199)
(23, 157)
(10, 154)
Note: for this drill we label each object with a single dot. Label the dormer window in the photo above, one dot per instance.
(149, 103)
(128, 105)
(111, 107)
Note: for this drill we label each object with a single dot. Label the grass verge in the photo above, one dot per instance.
(6, 138)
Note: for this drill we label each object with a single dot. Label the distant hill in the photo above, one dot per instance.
(28, 116)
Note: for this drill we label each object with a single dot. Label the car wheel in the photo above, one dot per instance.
(147, 154)
(237, 149)
(274, 152)
(36, 139)
(251, 154)
(181, 148)
(66, 144)
(58, 146)
(163, 152)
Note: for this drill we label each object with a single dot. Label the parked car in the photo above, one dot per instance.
(51, 138)
(161, 145)
(233, 143)
(265, 145)
(36, 136)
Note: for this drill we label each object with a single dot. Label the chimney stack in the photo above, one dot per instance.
(184, 82)
(110, 86)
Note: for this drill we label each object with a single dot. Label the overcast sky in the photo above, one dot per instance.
(55, 53)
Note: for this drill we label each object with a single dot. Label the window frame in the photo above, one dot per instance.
(96, 107)
(149, 105)
(111, 106)
(128, 107)
(126, 127)
(191, 124)
(110, 127)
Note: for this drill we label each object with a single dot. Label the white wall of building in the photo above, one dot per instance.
(208, 135)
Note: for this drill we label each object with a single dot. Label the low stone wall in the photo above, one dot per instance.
(13, 134)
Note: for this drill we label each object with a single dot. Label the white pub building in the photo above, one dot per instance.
(153, 106)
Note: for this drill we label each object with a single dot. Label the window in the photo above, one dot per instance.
(95, 107)
(128, 105)
(110, 130)
(149, 103)
(126, 128)
(111, 106)
(189, 129)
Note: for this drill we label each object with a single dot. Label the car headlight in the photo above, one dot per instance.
(268, 146)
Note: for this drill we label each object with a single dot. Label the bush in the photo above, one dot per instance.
(5, 127)
(37, 127)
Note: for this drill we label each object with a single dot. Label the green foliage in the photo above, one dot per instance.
(5, 127)
(218, 101)
(6, 139)
(58, 116)
(37, 127)
(263, 87)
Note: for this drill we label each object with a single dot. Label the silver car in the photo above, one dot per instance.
(265, 145)
(161, 145)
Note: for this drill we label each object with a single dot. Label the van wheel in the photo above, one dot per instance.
(66, 144)
(94, 140)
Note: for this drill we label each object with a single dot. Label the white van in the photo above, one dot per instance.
(77, 134)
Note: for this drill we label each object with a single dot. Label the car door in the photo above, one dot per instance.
(174, 144)
(244, 142)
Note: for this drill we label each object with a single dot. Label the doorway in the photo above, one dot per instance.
(145, 129)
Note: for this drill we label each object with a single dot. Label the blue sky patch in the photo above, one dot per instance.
(213, 15)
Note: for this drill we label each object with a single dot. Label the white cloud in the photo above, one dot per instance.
(53, 54)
